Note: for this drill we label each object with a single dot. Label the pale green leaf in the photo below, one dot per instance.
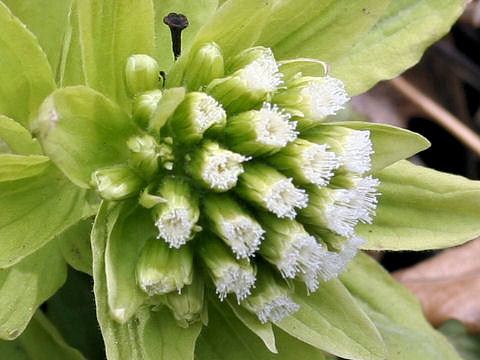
(396, 42)
(226, 338)
(263, 331)
(420, 208)
(14, 167)
(390, 143)
(26, 285)
(36, 209)
(39, 341)
(47, 19)
(26, 78)
(147, 335)
(18, 139)
(331, 320)
(110, 31)
(81, 131)
(395, 312)
(75, 246)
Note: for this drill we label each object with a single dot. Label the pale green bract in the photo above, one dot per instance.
(227, 200)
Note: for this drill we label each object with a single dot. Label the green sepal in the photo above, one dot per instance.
(165, 108)
(406, 333)
(26, 77)
(18, 139)
(14, 167)
(331, 320)
(40, 341)
(75, 246)
(82, 131)
(420, 208)
(26, 285)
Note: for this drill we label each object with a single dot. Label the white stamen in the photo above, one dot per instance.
(223, 169)
(208, 112)
(325, 98)
(284, 198)
(365, 199)
(318, 164)
(277, 309)
(357, 151)
(340, 216)
(263, 74)
(244, 236)
(235, 280)
(274, 127)
(175, 227)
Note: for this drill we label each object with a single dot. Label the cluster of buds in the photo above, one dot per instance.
(247, 186)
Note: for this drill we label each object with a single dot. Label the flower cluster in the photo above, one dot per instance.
(246, 186)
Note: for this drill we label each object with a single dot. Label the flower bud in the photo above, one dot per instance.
(260, 132)
(116, 182)
(272, 191)
(228, 274)
(353, 147)
(144, 154)
(205, 64)
(312, 99)
(270, 299)
(197, 114)
(176, 218)
(188, 307)
(306, 162)
(233, 225)
(161, 269)
(148, 199)
(141, 73)
(214, 167)
(144, 107)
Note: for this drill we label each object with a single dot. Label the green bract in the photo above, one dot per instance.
(226, 199)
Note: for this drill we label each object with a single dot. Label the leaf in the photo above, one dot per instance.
(49, 33)
(447, 285)
(421, 208)
(390, 143)
(148, 335)
(467, 345)
(18, 138)
(110, 31)
(263, 331)
(325, 31)
(40, 341)
(75, 246)
(396, 42)
(395, 312)
(26, 78)
(13, 167)
(81, 131)
(35, 210)
(124, 244)
(26, 285)
(226, 338)
(330, 320)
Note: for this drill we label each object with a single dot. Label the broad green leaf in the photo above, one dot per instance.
(124, 244)
(324, 31)
(26, 78)
(47, 19)
(263, 331)
(331, 320)
(13, 167)
(40, 341)
(26, 285)
(395, 312)
(110, 31)
(198, 12)
(467, 344)
(226, 338)
(420, 208)
(390, 143)
(147, 335)
(18, 139)
(81, 131)
(396, 42)
(35, 210)
(75, 246)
